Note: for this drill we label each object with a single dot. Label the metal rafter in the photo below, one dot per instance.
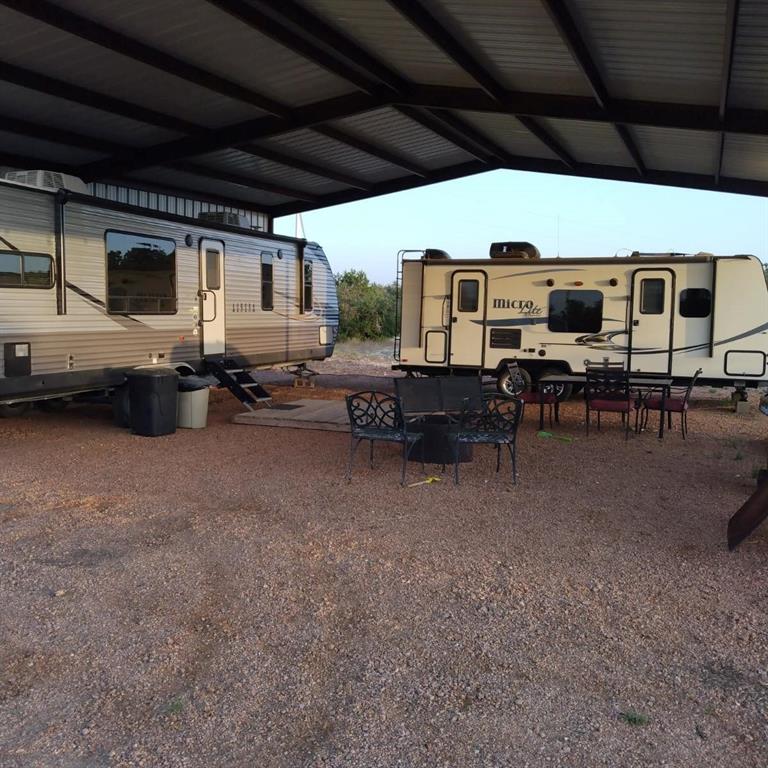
(96, 33)
(244, 181)
(434, 31)
(231, 136)
(732, 20)
(571, 36)
(57, 135)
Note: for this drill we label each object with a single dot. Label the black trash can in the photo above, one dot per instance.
(152, 393)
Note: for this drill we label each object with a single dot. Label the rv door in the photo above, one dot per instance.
(212, 306)
(468, 292)
(651, 322)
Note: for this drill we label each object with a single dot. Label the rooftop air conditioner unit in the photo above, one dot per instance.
(48, 180)
(228, 218)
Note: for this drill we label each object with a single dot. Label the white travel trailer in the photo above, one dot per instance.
(654, 313)
(90, 289)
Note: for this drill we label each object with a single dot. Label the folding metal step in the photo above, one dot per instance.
(239, 382)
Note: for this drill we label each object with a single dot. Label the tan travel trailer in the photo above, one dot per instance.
(90, 289)
(655, 313)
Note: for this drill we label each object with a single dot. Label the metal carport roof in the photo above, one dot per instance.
(292, 105)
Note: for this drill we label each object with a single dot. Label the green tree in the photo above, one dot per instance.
(366, 309)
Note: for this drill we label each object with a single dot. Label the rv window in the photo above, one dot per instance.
(575, 311)
(695, 302)
(267, 299)
(469, 295)
(141, 274)
(307, 285)
(212, 271)
(25, 270)
(652, 296)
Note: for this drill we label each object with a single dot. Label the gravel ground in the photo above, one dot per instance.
(224, 598)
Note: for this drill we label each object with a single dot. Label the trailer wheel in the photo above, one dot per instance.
(507, 386)
(562, 391)
(11, 410)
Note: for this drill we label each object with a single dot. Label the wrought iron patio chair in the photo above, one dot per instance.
(608, 390)
(376, 416)
(496, 424)
(676, 402)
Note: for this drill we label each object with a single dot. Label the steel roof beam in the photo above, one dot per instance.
(571, 36)
(373, 150)
(96, 33)
(213, 139)
(60, 89)
(729, 39)
(435, 32)
(433, 121)
(58, 135)
(243, 181)
(264, 18)
(693, 117)
(607, 172)
(322, 171)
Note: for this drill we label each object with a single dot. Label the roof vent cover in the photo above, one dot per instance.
(514, 249)
(435, 254)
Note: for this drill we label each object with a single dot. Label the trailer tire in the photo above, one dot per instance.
(563, 391)
(11, 410)
(506, 386)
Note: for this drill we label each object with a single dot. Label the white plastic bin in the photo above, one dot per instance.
(193, 403)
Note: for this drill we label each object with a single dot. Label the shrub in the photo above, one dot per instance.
(366, 309)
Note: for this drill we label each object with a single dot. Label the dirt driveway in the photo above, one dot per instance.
(224, 598)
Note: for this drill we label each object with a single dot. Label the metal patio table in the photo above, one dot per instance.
(639, 381)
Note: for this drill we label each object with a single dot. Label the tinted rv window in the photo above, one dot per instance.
(307, 285)
(267, 298)
(575, 311)
(141, 274)
(25, 270)
(652, 296)
(212, 271)
(469, 295)
(695, 302)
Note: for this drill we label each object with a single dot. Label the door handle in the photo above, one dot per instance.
(635, 322)
(454, 319)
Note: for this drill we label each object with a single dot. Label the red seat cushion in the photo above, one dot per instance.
(535, 397)
(617, 406)
(675, 404)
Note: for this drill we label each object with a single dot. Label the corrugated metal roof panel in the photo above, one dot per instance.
(669, 149)
(393, 131)
(516, 42)
(198, 32)
(234, 161)
(379, 28)
(749, 76)
(507, 132)
(43, 48)
(39, 108)
(589, 142)
(44, 150)
(316, 148)
(201, 185)
(746, 157)
(660, 50)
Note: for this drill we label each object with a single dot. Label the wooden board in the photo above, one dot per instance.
(326, 415)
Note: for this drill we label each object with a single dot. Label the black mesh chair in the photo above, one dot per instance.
(376, 416)
(460, 392)
(418, 396)
(496, 424)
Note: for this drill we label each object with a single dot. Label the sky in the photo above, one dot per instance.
(558, 214)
